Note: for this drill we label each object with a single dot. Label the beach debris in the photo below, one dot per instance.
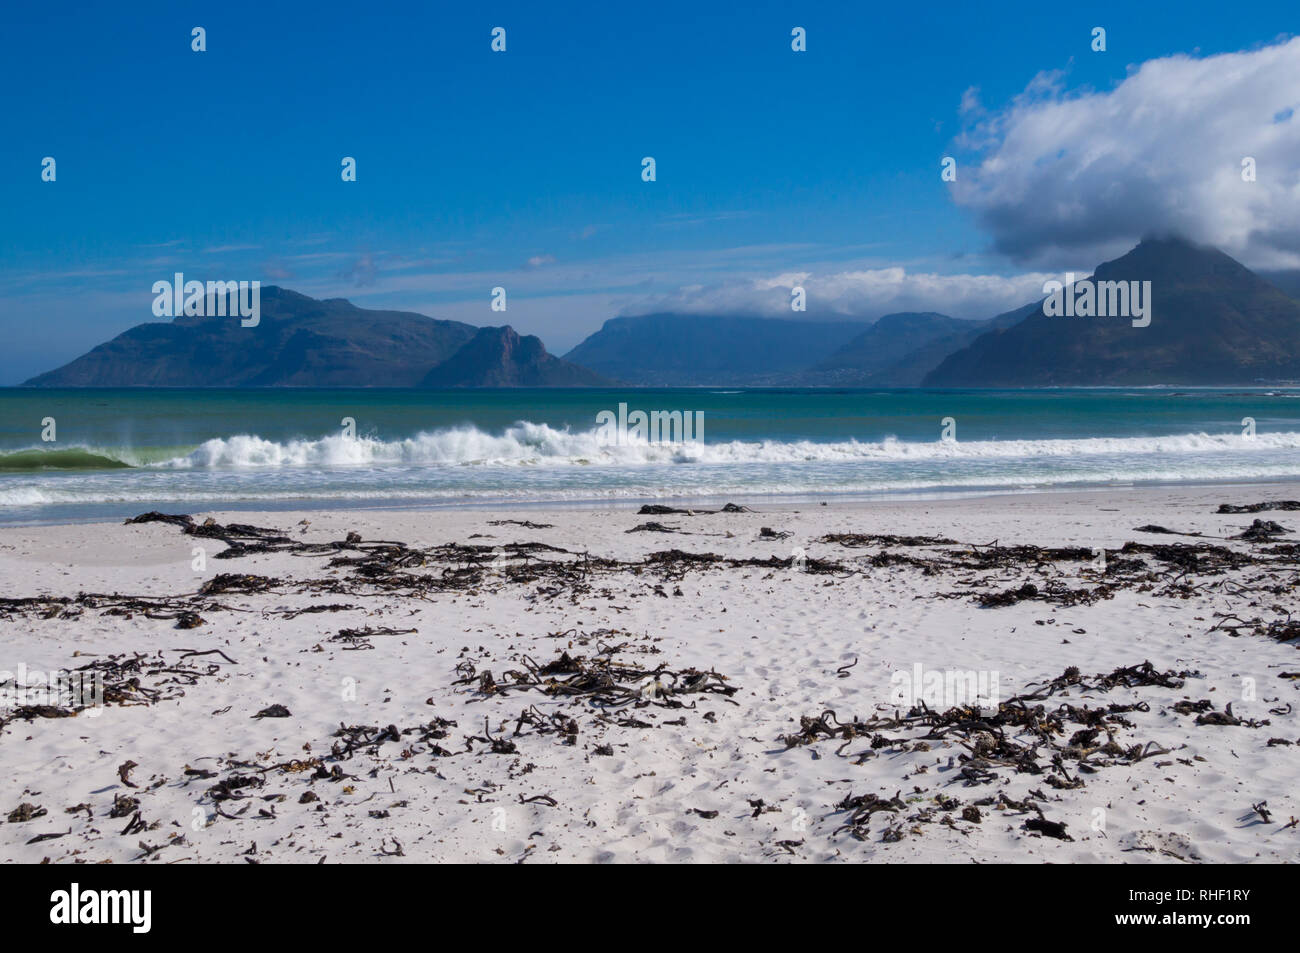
(659, 509)
(1021, 736)
(1156, 528)
(237, 582)
(240, 538)
(26, 812)
(1054, 735)
(125, 680)
(53, 835)
(153, 516)
(1280, 630)
(861, 808)
(274, 711)
(124, 806)
(544, 799)
(359, 639)
(230, 788)
(1049, 828)
(377, 566)
(124, 773)
(1052, 591)
(1226, 717)
(1008, 597)
(1263, 530)
(877, 539)
(600, 681)
(1259, 507)
(600, 686)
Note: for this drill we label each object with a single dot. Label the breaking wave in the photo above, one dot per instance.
(528, 444)
(539, 445)
(72, 458)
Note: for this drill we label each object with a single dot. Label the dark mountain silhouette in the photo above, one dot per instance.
(1213, 321)
(687, 349)
(910, 369)
(303, 342)
(299, 341)
(897, 351)
(499, 357)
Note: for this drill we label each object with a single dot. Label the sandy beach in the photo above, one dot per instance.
(600, 684)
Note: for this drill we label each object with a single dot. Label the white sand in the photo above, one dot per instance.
(777, 635)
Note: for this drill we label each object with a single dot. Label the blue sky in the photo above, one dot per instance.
(522, 168)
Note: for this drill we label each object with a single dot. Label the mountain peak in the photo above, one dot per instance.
(501, 357)
(1172, 259)
(1211, 321)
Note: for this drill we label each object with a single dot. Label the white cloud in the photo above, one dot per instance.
(1093, 172)
(858, 294)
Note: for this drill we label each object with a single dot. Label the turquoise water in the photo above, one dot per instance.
(120, 451)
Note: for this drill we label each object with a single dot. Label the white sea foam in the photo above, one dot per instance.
(529, 444)
(535, 462)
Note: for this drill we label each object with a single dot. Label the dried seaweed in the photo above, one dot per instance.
(1262, 530)
(1259, 507)
(124, 680)
(1022, 736)
(659, 509)
(874, 539)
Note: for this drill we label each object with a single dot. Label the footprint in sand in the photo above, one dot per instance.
(1162, 842)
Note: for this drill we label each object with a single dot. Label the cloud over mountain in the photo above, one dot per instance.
(1089, 172)
(866, 293)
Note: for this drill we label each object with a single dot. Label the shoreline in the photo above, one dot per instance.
(852, 499)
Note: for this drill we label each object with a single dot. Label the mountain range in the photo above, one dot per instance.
(302, 342)
(1212, 321)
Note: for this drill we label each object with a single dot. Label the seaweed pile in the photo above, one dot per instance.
(130, 679)
(586, 696)
(600, 681)
(377, 567)
(1061, 744)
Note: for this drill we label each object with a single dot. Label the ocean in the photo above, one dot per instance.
(121, 451)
